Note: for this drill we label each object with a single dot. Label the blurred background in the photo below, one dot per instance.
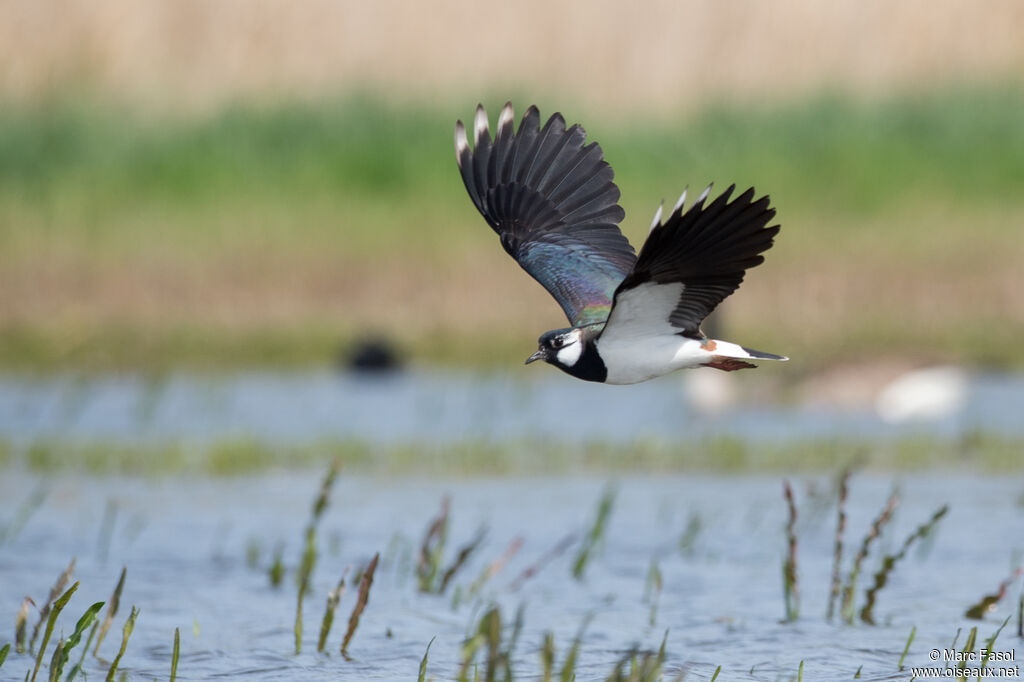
(211, 187)
(235, 252)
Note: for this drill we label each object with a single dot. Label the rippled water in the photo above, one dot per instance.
(433, 407)
(185, 544)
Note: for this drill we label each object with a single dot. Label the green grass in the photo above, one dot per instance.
(231, 457)
(304, 200)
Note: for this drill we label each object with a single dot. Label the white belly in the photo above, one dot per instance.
(632, 360)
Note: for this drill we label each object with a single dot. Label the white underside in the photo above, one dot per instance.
(638, 343)
(630, 361)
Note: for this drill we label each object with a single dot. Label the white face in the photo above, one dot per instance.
(571, 349)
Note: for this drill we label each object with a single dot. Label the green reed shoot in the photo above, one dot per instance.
(304, 578)
(968, 648)
(837, 557)
(889, 562)
(276, 571)
(432, 548)
(1020, 616)
(461, 558)
(688, 539)
(22, 515)
(174, 654)
(365, 582)
(569, 667)
(560, 548)
(547, 656)
(115, 602)
(717, 670)
(591, 539)
(988, 602)
(51, 620)
(333, 597)
(4, 650)
(55, 660)
(55, 591)
(77, 667)
(873, 533)
(910, 640)
(790, 585)
(652, 589)
(990, 644)
(21, 625)
(423, 662)
(494, 568)
(87, 619)
(106, 530)
(309, 552)
(126, 632)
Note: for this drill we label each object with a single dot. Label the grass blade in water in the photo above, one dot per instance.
(309, 552)
(21, 517)
(604, 510)
(559, 549)
(21, 625)
(890, 561)
(5, 649)
(126, 632)
(433, 548)
(910, 640)
(423, 662)
(494, 568)
(51, 620)
(837, 558)
(988, 602)
(790, 587)
(305, 574)
(333, 597)
(461, 558)
(77, 668)
(84, 622)
(876, 530)
(174, 654)
(364, 598)
(55, 592)
(115, 602)
(968, 649)
(990, 644)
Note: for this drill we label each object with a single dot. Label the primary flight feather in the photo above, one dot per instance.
(551, 199)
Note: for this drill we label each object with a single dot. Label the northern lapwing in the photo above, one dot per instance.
(551, 199)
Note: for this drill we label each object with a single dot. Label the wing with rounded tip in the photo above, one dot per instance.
(691, 263)
(551, 200)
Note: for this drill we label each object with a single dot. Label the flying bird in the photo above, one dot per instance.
(550, 198)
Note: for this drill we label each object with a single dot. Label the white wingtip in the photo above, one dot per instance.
(705, 193)
(682, 201)
(657, 217)
(505, 119)
(480, 126)
(461, 143)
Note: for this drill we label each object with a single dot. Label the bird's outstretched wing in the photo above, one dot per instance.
(551, 199)
(689, 264)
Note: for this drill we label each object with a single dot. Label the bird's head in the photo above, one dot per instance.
(561, 347)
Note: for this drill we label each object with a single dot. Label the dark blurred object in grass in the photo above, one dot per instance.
(372, 355)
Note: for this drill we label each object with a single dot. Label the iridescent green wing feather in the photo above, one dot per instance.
(551, 199)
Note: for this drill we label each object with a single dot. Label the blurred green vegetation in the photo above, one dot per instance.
(977, 452)
(912, 183)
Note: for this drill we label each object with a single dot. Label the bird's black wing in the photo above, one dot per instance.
(551, 199)
(689, 264)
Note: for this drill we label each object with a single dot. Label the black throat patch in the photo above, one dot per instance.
(589, 367)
